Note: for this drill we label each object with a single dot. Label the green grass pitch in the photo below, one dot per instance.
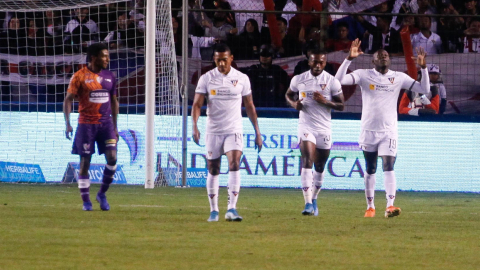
(43, 227)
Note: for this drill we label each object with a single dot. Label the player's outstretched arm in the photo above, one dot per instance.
(252, 115)
(196, 107)
(290, 97)
(424, 86)
(67, 109)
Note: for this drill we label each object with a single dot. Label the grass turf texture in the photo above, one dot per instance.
(43, 227)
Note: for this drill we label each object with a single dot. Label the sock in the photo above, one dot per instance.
(307, 179)
(212, 191)
(233, 188)
(84, 186)
(317, 183)
(108, 173)
(390, 187)
(370, 190)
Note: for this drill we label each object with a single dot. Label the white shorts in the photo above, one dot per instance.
(321, 139)
(384, 142)
(217, 145)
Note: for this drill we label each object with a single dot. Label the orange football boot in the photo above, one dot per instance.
(370, 212)
(392, 211)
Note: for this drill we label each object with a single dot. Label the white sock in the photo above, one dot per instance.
(212, 191)
(307, 179)
(317, 183)
(233, 188)
(370, 190)
(390, 187)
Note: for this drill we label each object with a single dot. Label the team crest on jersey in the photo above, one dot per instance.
(372, 87)
(234, 82)
(99, 79)
(323, 86)
(391, 79)
(213, 92)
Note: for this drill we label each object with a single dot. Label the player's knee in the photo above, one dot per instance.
(214, 170)
(372, 169)
(307, 163)
(388, 167)
(234, 166)
(112, 161)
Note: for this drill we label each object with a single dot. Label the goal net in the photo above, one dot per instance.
(42, 44)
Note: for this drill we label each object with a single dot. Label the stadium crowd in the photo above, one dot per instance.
(122, 25)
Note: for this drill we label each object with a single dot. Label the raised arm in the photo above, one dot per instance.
(252, 115)
(424, 86)
(341, 75)
(196, 107)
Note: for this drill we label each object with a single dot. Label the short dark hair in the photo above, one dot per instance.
(342, 24)
(317, 50)
(95, 49)
(221, 48)
(282, 20)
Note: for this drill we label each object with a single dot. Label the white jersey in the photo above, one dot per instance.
(314, 115)
(379, 97)
(224, 103)
(432, 45)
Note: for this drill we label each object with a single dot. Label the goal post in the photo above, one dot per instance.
(43, 43)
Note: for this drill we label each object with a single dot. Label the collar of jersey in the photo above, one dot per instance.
(229, 73)
(380, 74)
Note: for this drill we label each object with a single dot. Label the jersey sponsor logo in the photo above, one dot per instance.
(391, 79)
(99, 96)
(234, 82)
(371, 86)
(213, 92)
(88, 81)
(306, 94)
(108, 80)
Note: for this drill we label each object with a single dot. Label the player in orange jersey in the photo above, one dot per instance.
(95, 89)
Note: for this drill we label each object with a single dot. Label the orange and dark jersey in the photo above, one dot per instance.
(94, 92)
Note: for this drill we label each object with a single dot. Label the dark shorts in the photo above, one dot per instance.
(87, 134)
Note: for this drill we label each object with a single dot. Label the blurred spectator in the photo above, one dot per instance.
(177, 37)
(424, 7)
(471, 40)
(470, 8)
(435, 80)
(138, 15)
(125, 36)
(342, 43)
(247, 44)
(449, 28)
(269, 82)
(107, 18)
(421, 104)
(290, 44)
(194, 20)
(222, 4)
(13, 41)
(355, 28)
(80, 31)
(54, 32)
(295, 24)
(382, 37)
(219, 28)
(35, 38)
(426, 39)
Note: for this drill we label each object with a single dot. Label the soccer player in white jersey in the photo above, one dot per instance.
(380, 89)
(226, 88)
(318, 93)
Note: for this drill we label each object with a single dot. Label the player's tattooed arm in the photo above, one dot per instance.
(67, 109)
(196, 107)
(252, 115)
(290, 97)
